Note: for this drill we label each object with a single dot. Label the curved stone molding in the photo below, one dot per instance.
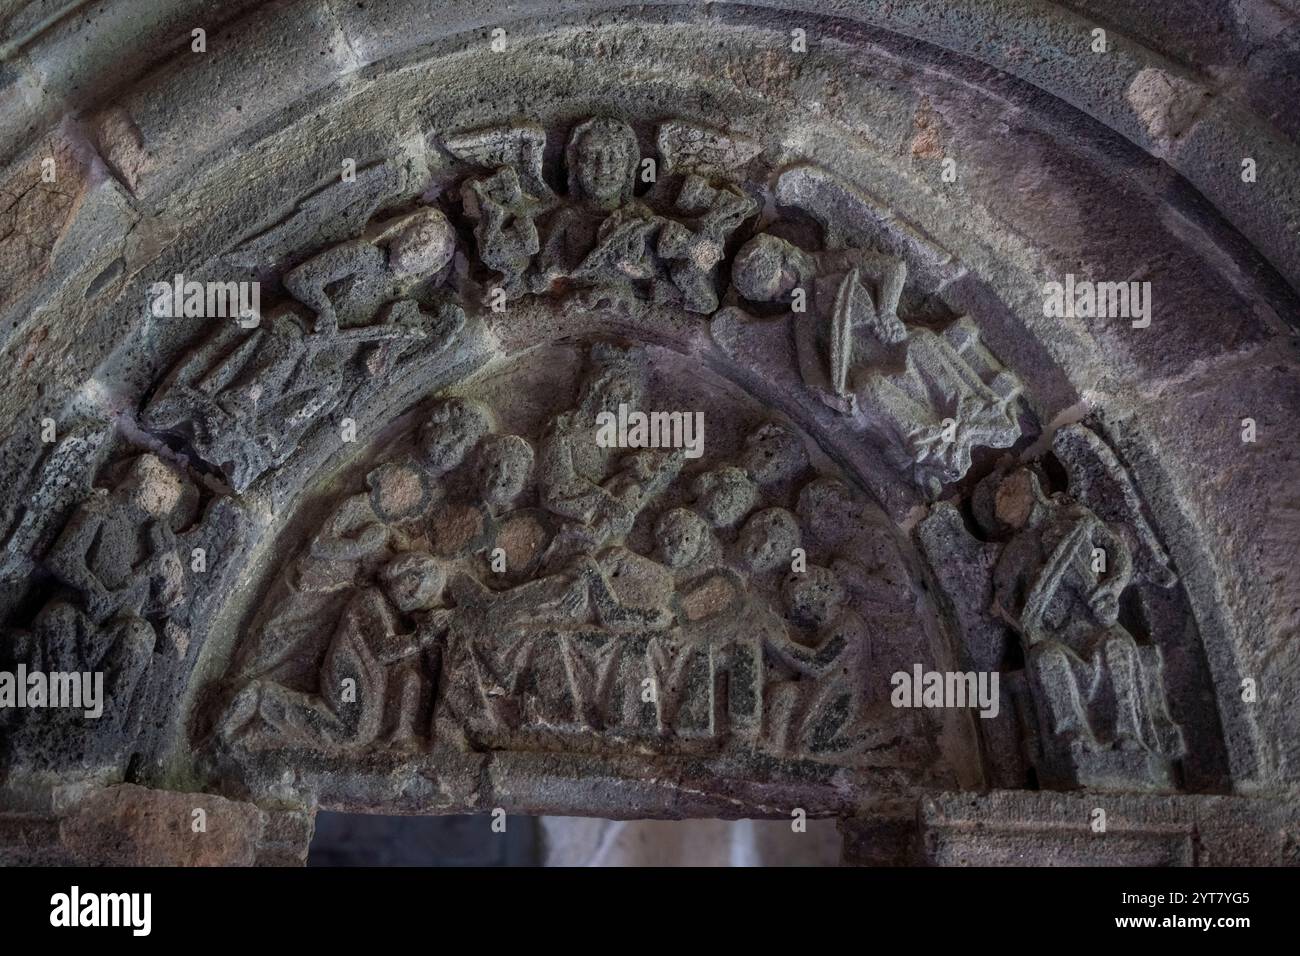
(354, 543)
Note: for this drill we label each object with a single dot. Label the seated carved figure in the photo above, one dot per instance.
(694, 243)
(366, 683)
(823, 660)
(64, 639)
(505, 225)
(245, 399)
(577, 480)
(1100, 694)
(121, 561)
(949, 396)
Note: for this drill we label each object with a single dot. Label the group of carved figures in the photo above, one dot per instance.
(504, 568)
(930, 396)
(507, 590)
(244, 399)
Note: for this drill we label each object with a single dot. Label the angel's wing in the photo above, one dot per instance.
(702, 149)
(519, 147)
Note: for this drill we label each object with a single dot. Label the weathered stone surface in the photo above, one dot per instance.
(132, 826)
(990, 347)
(1019, 829)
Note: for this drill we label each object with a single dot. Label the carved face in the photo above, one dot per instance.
(602, 160)
(422, 245)
(454, 427)
(1016, 499)
(768, 269)
(414, 581)
(1105, 607)
(833, 515)
(505, 464)
(813, 597)
(397, 491)
(680, 535)
(767, 540)
(725, 495)
(773, 453)
(610, 390)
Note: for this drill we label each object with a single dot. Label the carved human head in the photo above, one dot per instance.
(680, 535)
(420, 243)
(505, 463)
(768, 269)
(414, 581)
(1105, 606)
(773, 452)
(617, 377)
(767, 540)
(602, 155)
(398, 490)
(454, 427)
(1008, 501)
(725, 495)
(812, 597)
(836, 517)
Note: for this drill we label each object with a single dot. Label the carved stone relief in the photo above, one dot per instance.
(485, 577)
(1065, 589)
(116, 592)
(490, 589)
(361, 549)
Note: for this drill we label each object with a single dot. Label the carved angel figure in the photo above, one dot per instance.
(599, 235)
(1103, 715)
(931, 396)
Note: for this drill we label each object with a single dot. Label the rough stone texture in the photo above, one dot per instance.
(275, 526)
(1058, 829)
(128, 825)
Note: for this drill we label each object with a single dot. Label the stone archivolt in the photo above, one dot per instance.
(644, 607)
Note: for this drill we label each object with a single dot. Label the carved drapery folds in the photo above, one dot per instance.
(537, 591)
(1065, 575)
